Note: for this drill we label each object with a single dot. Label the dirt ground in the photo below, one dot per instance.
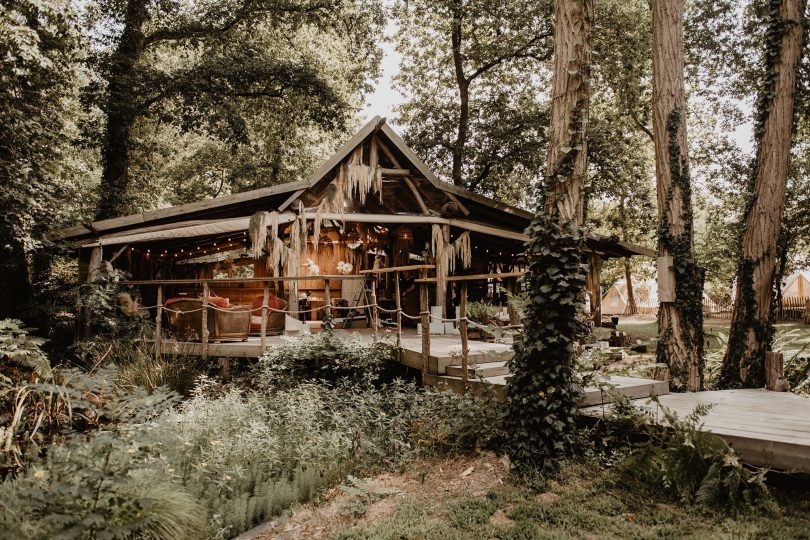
(362, 502)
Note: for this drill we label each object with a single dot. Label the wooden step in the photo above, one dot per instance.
(630, 387)
(475, 371)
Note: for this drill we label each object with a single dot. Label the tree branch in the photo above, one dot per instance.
(520, 52)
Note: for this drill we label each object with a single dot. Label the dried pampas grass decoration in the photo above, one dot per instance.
(257, 230)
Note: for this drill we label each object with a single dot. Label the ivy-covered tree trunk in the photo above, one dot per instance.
(680, 318)
(543, 391)
(751, 322)
(120, 113)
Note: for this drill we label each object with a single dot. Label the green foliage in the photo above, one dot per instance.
(248, 87)
(325, 357)
(138, 366)
(695, 465)
(689, 276)
(543, 391)
(38, 60)
(482, 312)
(19, 347)
(479, 123)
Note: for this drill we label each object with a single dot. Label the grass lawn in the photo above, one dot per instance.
(795, 334)
(473, 498)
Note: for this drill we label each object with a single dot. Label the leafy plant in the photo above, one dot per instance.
(544, 390)
(325, 357)
(696, 465)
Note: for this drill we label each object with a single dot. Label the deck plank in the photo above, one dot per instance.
(770, 429)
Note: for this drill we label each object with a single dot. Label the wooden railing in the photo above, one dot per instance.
(424, 316)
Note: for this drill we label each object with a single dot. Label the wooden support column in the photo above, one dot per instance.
(96, 259)
(775, 372)
(441, 285)
(424, 306)
(265, 306)
(204, 330)
(375, 313)
(327, 312)
(462, 329)
(398, 298)
(593, 283)
(159, 322)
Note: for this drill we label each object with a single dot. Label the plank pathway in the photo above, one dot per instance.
(765, 428)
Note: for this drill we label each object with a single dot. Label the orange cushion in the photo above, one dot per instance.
(219, 301)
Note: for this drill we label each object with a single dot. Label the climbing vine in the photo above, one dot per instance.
(543, 391)
(689, 276)
(740, 357)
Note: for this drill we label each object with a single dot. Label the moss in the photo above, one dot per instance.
(689, 276)
(745, 320)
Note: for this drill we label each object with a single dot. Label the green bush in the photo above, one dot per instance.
(325, 357)
(695, 465)
(135, 462)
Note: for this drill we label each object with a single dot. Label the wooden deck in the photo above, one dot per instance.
(768, 429)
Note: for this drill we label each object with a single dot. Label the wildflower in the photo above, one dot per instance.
(39, 474)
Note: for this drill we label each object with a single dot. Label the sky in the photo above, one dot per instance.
(385, 97)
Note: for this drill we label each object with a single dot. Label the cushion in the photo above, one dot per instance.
(219, 301)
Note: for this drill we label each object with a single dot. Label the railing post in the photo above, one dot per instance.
(398, 299)
(375, 314)
(205, 320)
(327, 313)
(159, 322)
(462, 329)
(425, 312)
(265, 306)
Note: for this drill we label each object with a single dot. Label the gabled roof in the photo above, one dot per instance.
(232, 212)
(279, 197)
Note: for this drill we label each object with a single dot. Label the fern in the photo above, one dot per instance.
(22, 349)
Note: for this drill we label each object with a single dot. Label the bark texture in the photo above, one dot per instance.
(463, 83)
(751, 334)
(680, 323)
(121, 111)
(567, 146)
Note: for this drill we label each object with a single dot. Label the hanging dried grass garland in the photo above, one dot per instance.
(257, 230)
(462, 249)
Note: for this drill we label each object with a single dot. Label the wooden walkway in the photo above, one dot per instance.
(765, 428)
(768, 429)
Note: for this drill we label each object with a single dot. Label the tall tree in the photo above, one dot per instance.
(38, 76)
(216, 66)
(680, 317)
(478, 121)
(751, 324)
(543, 392)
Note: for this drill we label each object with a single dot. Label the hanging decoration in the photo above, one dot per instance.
(352, 179)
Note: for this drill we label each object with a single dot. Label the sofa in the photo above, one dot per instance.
(276, 321)
(225, 322)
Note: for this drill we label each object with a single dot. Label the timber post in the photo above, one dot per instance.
(424, 307)
(327, 308)
(265, 306)
(375, 313)
(204, 321)
(398, 299)
(159, 321)
(462, 329)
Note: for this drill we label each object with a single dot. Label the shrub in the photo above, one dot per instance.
(138, 366)
(696, 465)
(325, 357)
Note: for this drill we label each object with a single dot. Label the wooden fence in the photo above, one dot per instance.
(791, 309)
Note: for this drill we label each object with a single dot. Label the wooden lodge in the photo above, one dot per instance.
(373, 205)
(373, 238)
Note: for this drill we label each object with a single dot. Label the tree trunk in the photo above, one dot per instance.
(567, 145)
(631, 308)
(751, 324)
(463, 127)
(121, 111)
(680, 319)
